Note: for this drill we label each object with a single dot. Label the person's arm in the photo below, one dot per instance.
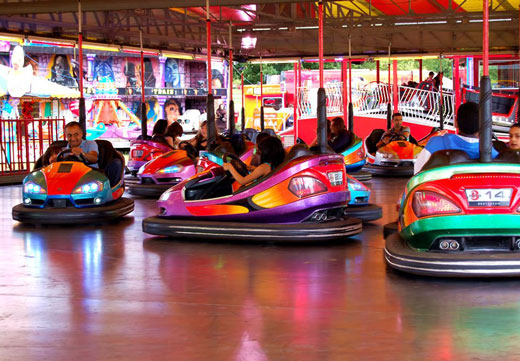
(384, 140)
(314, 142)
(169, 140)
(259, 171)
(91, 155)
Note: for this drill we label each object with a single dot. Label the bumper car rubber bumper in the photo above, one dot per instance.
(389, 171)
(147, 190)
(267, 232)
(366, 213)
(70, 215)
(400, 256)
(361, 176)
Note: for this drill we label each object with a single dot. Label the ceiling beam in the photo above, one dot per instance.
(67, 6)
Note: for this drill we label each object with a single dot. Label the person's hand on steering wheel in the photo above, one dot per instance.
(68, 155)
(232, 161)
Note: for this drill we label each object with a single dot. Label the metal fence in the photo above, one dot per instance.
(23, 141)
(308, 100)
(417, 105)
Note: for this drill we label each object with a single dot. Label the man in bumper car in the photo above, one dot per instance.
(397, 132)
(88, 150)
(467, 124)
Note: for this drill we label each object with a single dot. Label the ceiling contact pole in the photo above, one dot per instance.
(350, 120)
(144, 119)
(262, 119)
(322, 97)
(485, 117)
(210, 103)
(231, 103)
(389, 105)
(243, 116)
(82, 110)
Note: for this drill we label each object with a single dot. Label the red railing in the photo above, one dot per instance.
(23, 141)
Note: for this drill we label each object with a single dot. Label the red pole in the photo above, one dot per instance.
(261, 86)
(456, 82)
(242, 80)
(320, 18)
(378, 73)
(396, 87)
(142, 76)
(230, 74)
(485, 45)
(295, 101)
(344, 81)
(350, 80)
(80, 44)
(208, 45)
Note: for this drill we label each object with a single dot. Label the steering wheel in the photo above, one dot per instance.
(235, 161)
(395, 137)
(66, 155)
(189, 148)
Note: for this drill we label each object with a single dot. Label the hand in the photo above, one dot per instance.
(76, 150)
(227, 166)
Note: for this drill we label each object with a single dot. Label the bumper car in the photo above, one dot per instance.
(459, 217)
(303, 199)
(69, 192)
(172, 167)
(143, 151)
(355, 158)
(359, 206)
(396, 159)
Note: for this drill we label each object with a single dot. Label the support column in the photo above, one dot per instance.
(395, 87)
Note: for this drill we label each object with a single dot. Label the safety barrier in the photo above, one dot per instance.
(23, 141)
(417, 105)
(308, 104)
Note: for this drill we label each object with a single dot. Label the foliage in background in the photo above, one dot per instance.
(252, 71)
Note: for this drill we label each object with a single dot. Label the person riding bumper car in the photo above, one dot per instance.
(303, 199)
(68, 191)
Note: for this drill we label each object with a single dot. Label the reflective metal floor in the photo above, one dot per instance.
(112, 293)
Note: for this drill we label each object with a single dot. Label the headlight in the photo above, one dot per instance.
(33, 188)
(141, 169)
(87, 188)
(388, 156)
(355, 185)
(171, 169)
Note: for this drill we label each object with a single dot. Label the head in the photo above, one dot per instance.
(271, 151)
(261, 136)
(174, 130)
(431, 74)
(467, 119)
(51, 154)
(203, 131)
(172, 110)
(217, 80)
(514, 136)
(397, 121)
(61, 65)
(337, 126)
(74, 134)
(171, 72)
(160, 127)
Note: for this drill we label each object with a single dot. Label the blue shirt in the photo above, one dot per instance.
(88, 146)
(450, 141)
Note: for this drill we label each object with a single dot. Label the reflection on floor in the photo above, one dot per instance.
(110, 292)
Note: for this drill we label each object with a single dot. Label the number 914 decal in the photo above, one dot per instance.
(489, 197)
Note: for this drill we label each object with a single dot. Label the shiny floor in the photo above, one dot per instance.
(111, 292)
